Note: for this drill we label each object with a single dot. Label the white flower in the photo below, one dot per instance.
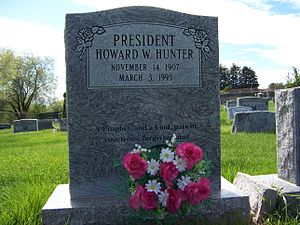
(185, 180)
(173, 139)
(153, 186)
(179, 163)
(139, 149)
(135, 150)
(166, 155)
(153, 167)
(163, 197)
(144, 150)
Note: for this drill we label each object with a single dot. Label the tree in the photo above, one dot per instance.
(234, 72)
(237, 77)
(248, 78)
(293, 81)
(24, 79)
(224, 77)
(64, 111)
(55, 105)
(274, 86)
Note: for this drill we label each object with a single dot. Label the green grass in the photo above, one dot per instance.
(32, 164)
(246, 152)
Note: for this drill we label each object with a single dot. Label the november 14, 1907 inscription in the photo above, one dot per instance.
(143, 54)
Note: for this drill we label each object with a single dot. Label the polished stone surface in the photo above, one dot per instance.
(117, 96)
(25, 125)
(256, 103)
(254, 121)
(230, 103)
(233, 110)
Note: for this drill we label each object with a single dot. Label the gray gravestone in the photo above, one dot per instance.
(25, 125)
(230, 103)
(4, 126)
(45, 124)
(255, 121)
(136, 75)
(255, 103)
(288, 134)
(236, 109)
(63, 124)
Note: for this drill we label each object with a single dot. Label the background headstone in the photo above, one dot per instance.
(256, 103)
(25, 125)
(45, 124)
(255, 121)
(288, 134)
(231, 103)
(4, 126)
(63, 124)
(236, 109)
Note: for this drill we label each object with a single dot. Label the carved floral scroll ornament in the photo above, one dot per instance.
(85, 38)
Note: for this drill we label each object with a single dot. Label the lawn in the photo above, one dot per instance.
(34, 163)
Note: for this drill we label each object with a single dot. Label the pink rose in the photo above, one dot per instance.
(135, 165)
(173, 201)
(182, 194)
(134, 201)
(168, 172)
(190, 153)
(197, 191)
(148, 200)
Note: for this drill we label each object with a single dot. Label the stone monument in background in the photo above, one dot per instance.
(136, 75)
(288, 134)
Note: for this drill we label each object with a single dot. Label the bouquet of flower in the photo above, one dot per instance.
(165, 177)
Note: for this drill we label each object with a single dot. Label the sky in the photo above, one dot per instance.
(261, 34)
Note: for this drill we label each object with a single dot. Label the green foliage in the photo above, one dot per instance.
(64, 111)
(55, 105)
(237, 77)
(274, 86)
(24, 79)
(293, 81)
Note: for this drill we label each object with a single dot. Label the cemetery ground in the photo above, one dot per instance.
(32, 164)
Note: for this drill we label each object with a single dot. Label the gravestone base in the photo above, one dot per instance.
(232, 208)
(263, 191)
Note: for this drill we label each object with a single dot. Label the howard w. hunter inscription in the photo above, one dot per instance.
(143, 55)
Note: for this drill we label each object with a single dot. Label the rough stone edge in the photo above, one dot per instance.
(233, 206)
(263, 192)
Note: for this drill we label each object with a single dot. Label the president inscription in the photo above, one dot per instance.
(143, 55)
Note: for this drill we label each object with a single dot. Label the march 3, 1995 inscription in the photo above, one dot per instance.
(143, 54)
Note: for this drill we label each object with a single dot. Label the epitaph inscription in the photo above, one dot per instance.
(149, 55)
(135, 76)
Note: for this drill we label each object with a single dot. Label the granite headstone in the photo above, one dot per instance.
(254, 121)
(4, 126)
(138, 76)
(232, 110)
(288, 134)
(25, 125)
(230, 103)
(45, 124)
(256, 103)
